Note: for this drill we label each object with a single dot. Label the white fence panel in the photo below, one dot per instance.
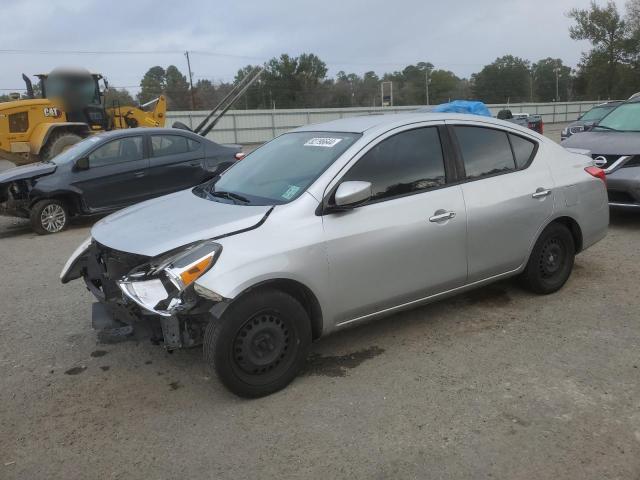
(258, 126)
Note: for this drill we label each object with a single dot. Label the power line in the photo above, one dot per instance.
(212, 53)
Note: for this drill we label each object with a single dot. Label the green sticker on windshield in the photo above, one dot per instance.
(291, 192)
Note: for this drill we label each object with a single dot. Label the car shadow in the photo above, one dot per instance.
(16, 227)
(626, 218)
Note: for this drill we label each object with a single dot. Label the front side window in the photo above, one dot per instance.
(126, 149)
(484, 151)
(408, 162)
(162, 145)
(282, 169)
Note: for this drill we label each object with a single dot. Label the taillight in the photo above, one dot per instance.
(541, 127)
(240, 156)
(597, 172)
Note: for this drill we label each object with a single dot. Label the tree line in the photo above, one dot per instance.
(610, 69)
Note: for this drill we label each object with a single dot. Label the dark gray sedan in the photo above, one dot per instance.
(108, 171)
(588, 119)
(614, 144)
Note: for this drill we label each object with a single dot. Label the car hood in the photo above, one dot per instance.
(162, 224)
(27, 171)
(605, 143)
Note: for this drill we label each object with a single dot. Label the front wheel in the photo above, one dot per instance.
(259, 344)
(49, 216)
(551, 260)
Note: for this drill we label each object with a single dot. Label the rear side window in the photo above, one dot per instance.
(522, 150)
(162, 145)
(125, 149)
(484, 151)
(404, 163)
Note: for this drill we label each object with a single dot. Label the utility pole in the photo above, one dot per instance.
(427, 83)
(387, 97)
(557, 72)
(193, 101)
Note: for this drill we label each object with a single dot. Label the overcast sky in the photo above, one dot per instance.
(350, 35)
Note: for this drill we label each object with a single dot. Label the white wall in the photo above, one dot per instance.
(257, 126)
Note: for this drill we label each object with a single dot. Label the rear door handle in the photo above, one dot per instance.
(139, 174)
(441, 216)
(540, 193)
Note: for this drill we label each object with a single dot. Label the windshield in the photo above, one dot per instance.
(76, 151)
(625, 118)
(596, 113)
(281, 170)
(77, 89)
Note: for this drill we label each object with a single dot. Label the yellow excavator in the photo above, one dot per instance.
(70, 107)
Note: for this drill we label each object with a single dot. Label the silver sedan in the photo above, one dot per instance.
(334, 224)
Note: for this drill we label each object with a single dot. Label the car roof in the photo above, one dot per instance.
(368, 122)
(609, 104)
(125, 132)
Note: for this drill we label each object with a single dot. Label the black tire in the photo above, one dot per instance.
(49, 216)
(551, 261)
(58, 143)
(259, 344)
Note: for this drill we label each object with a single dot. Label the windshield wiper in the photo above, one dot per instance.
(230, 196)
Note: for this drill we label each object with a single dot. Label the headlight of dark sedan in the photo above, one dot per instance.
(158, 285)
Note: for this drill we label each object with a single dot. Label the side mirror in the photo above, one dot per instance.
(82, 163)
(349, 194)
(588, 126)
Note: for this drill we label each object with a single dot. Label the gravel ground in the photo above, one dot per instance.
(497, 383)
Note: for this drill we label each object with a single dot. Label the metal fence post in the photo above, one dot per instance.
(273, 124)
(235, 129)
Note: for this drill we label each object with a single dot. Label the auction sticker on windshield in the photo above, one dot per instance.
(322, 142)
(291, 191)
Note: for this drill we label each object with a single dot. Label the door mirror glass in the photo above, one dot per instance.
(352, 193)
(82, 163)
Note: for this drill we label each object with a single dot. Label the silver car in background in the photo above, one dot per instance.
(334, 224)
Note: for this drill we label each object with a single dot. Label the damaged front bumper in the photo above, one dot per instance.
(131, 305)
(14, 207)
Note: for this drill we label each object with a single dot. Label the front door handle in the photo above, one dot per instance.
(195, 164)
(540, 193)
(441, 216)
(138, 174)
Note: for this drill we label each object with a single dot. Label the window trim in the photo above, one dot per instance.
(144, 156)
(462, 174)
(151, 152)
(450, 168)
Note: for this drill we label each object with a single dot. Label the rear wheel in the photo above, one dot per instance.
(259, 344)
(551, 260)
(49, 216)
(58, 143)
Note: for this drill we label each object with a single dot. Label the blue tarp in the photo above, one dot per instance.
(464, 106)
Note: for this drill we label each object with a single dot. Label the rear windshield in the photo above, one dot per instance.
(281, 170)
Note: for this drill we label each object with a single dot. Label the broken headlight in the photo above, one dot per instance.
(158, 285)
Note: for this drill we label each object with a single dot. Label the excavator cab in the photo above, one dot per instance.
(80, 94)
